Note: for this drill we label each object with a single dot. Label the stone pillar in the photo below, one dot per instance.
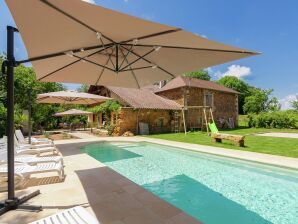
(99, 116)
(90, 118)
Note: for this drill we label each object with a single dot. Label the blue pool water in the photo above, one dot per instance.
(212, 189)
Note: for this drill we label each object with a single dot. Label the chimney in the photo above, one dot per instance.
(162, 83)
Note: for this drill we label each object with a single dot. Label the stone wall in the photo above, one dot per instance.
(174, 94)
(193, 116)
(224, 104)
(160, 121)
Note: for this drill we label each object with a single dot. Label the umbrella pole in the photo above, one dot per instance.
(12, 202)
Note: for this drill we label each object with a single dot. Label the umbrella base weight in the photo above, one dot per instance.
(17, 203)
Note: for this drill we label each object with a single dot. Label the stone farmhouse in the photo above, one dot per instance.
(159, 108)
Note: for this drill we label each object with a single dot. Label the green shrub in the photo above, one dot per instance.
(19, 118)
(243, 120)
(2, 119)
(47, 134)
(110, 128)
(278, 119)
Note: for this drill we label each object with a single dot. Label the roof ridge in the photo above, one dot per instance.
(109, 87)
(131, 96)
(184, 81)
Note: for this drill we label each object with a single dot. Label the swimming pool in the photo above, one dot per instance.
(210, 188)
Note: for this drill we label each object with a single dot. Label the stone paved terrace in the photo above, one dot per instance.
(112, 198)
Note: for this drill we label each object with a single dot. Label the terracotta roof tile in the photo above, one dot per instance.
(143, 99)
(182, 81)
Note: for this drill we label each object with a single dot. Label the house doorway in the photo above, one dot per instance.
(102, 120)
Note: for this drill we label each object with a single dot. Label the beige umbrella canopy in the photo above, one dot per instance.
(72, 112)
(77, 42)
(70, 97)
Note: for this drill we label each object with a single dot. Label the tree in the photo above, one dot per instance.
(294, 103)
(2, 119)
(201, 74)
(251, 99)
(273, 104)
(42, 114)
(238, 85)
(2, 83)
(83, 88)
(106, 107)
(260, 101)
(24, 82)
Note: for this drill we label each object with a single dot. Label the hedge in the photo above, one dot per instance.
(278, 119)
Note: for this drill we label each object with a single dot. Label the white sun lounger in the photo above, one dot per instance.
(30, 146)
(37, 151)
(75, 215)
(41, 145)
(26, 149)
(30, 159)
(23, 171)
(36, 146)
(34, 141)
(33, 160)
(29, 149)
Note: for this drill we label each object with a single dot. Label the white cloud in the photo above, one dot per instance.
(235, 70)
(148, 16)
(209, 70)
(286, 101)
(201, 35)
(89, 1)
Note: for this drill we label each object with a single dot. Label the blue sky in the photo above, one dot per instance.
(267, 26)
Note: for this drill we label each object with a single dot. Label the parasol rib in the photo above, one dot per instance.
(133, 69)
(139, 58)
(148, 61)
(191, 48)
(103, 69)
(132, 72)
(94, 63)
(65, 66)
(60, 53)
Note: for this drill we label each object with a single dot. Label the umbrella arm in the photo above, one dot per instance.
(18, 203)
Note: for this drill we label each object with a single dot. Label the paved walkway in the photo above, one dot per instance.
(82, 135)
(279, 135)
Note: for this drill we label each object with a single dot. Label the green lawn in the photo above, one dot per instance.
(270, 145)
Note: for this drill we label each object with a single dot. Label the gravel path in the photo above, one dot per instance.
(279, 135)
